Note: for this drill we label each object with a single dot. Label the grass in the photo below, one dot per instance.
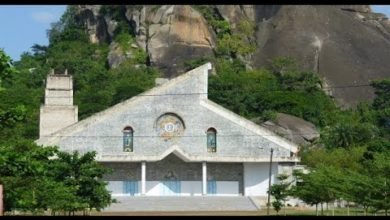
(289, 211)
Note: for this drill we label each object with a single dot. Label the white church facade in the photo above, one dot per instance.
(169, 140)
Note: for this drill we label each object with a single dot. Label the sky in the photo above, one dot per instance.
(25, 25)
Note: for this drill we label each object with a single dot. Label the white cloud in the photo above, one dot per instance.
(44, 17)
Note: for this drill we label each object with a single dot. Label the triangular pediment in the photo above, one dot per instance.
(193, 82)
(176, 150)
(185, 96)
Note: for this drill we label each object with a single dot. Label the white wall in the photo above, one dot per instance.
(191, 188)
(256, 178)
(227, 188)
(188, 188)
(153, 188)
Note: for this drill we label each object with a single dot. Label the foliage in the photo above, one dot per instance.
(230, 42)
(381, 104)
(237, 43)
(337, 157)
(128, 81)
(9, 115)
(118, 13)
(219, 25)
(36, 182)
(124, 40)
(315, 187)
(378, 145)
(348, 131)
(6, 68)
(84, 174)
(364, 182)
(280, 192)
(254, 93)
(192, 64)
(69, 28)
(382, 91)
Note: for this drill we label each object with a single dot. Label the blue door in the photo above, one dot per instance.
(212, 187)
(130, 187)
(171, 188)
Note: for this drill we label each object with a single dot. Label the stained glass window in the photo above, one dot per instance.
(211, 140)
(128, 139)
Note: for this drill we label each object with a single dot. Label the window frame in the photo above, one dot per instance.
(212, 148)
(128, 139)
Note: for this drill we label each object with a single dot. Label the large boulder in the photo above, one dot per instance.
(293, 128)
(177, 33)
(116, 55)
(346, 46)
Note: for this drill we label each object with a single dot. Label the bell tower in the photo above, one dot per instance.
(58, 110)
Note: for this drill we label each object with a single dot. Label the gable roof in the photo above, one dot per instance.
(158, 90)
(200, 75)
(261, 131)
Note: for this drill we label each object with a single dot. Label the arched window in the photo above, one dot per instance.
(128, 139)
(212, 140)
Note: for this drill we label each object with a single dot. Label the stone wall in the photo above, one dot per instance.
(226, 172)
(123, 171)
(173, 168)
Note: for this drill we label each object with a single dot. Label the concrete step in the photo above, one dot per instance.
(175, 203)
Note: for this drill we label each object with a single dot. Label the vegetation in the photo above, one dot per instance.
(35, 182)
(280, 192)
(256, 93)
(231, 42)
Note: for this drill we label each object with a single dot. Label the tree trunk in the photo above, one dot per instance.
(348, 208)
(365, 210)
(322, 209)
(327, 209)
(317, 209)
(333, 209)
(284, 208)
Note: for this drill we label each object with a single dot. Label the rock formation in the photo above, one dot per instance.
(293, 128)
(346, 45)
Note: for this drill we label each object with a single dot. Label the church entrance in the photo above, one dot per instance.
(172, 176)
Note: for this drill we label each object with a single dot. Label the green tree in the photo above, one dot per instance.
(348, 132)
(8, 117)
(382, 91)
(24, 172)
(69, 28)
(85, 174)
(280, 192)
(317, 186)
(35, 182)
(128, 81)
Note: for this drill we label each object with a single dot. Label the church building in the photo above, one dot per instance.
(169, 140)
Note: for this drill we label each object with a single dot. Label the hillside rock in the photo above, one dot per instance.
(95, 24)
(177, 34)
(347, 45)
(116, 56)
(334, 41)
(293, 128)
